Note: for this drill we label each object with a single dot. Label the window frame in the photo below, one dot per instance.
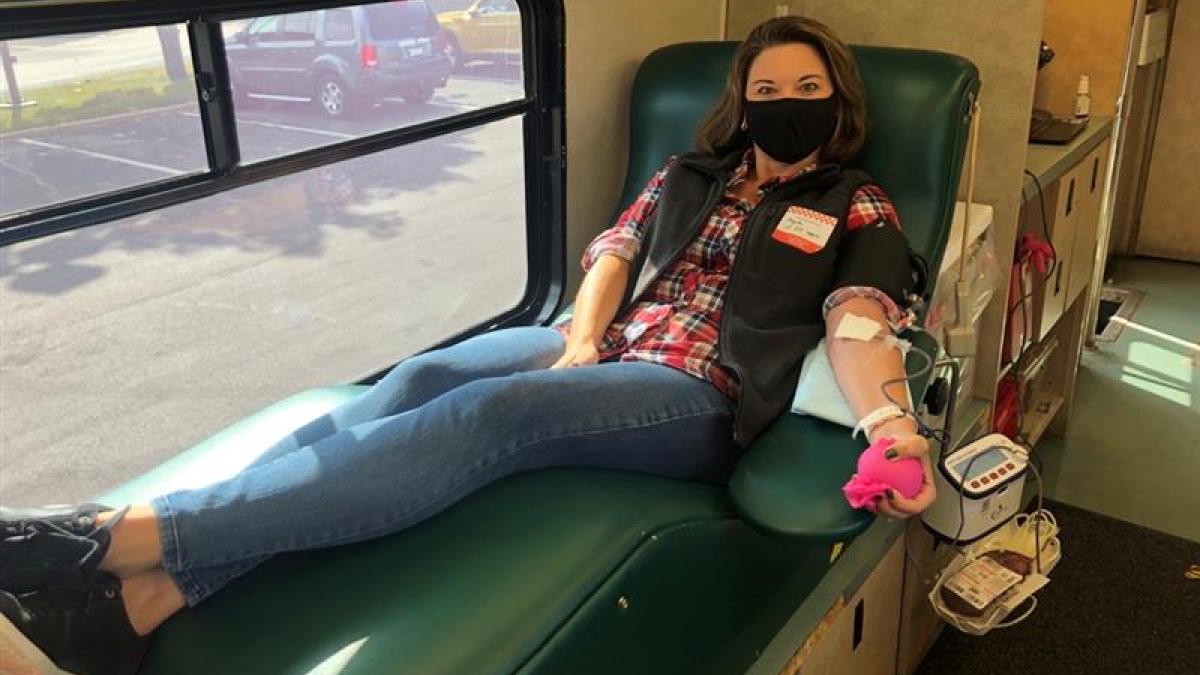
(542, 106)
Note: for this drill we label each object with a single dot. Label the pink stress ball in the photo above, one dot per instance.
(876, 474)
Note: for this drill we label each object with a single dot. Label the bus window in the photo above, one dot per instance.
(113, 109)
(151, 294)
(129, 341)
(343, 73)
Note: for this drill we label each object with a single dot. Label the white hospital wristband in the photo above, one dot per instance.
(876, 417)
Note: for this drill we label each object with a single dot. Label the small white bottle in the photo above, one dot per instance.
(1083, 102)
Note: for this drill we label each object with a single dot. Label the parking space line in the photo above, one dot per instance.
(101, 155)
(286, 127)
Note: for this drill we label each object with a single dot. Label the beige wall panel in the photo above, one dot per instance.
(1089, 37)
(606, 40)
(1001, 38)
(746, 14)
(1170, 227)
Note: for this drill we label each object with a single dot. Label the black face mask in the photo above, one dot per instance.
(789, 129)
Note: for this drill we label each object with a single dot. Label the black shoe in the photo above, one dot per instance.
(76, 631)
(42, 548)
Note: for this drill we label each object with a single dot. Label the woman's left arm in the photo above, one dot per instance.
(874, 277)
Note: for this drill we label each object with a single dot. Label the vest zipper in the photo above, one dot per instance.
(748, 229)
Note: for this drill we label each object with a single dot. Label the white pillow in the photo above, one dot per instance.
(818, 393)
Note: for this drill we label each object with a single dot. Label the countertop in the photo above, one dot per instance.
(1050, 162)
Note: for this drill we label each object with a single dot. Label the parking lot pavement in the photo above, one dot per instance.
(40, 167)
(48, 166)
(123, 343)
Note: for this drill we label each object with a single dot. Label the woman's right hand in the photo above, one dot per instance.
(578, 353)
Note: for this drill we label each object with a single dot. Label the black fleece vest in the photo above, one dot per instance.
(772, 309)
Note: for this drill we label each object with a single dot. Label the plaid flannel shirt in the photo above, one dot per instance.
(675, 321)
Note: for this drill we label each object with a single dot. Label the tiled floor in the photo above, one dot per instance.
(1132, 448)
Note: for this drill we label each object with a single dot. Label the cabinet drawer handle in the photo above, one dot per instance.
(1095, 172)
(1070, 197)
(1058, 277)
(858, 625)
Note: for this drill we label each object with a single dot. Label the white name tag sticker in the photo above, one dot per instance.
(804, 229)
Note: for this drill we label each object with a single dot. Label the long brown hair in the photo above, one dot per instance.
(721, 132)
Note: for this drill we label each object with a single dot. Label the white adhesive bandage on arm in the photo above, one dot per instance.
(855, 327)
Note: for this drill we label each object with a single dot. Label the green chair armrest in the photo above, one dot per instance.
(790, 480)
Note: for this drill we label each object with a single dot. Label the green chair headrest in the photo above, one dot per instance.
(917, 103)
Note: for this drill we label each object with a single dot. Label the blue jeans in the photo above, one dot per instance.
(437, 427)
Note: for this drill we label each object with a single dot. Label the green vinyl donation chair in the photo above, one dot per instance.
(579, 571)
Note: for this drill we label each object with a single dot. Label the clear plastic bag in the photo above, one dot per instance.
(983, 276)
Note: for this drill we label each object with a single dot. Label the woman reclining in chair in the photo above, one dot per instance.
(689, 329)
